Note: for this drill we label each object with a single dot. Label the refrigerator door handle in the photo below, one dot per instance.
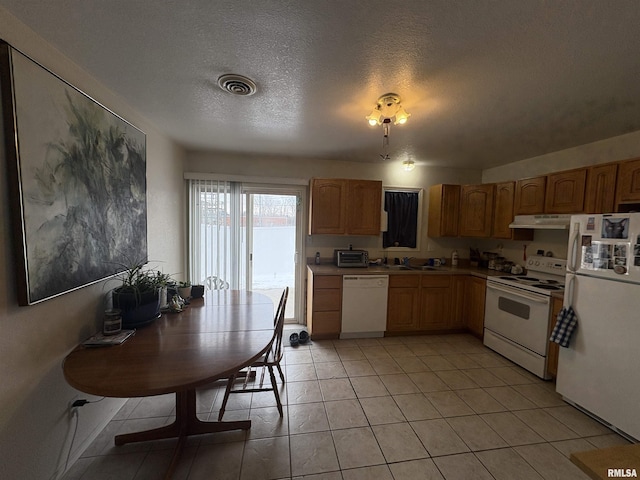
(572, 254)
(569, 289)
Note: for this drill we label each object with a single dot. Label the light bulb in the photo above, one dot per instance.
(401, 116)
(408, 165)
(374, 118)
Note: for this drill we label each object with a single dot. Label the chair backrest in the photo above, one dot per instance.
(215, 283)
(278, 329)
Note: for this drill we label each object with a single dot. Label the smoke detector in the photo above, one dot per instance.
(237, 84)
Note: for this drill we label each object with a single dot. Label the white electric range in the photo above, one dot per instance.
(517, 312)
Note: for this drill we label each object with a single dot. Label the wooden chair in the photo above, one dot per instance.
(267, 362)
(215, 283)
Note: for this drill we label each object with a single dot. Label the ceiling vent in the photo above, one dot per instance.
(237, 85)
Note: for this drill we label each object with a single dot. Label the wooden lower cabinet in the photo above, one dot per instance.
(324, 306)
(435, 302)
(476, 289)
(458, 301)
(416, 303)
(403, 303)
(554, 348)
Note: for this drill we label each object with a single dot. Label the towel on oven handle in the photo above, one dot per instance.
(566, 323)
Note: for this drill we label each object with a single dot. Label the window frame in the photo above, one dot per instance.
(420, 192)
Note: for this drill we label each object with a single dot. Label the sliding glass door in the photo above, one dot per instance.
(247, 236)
(271, 243)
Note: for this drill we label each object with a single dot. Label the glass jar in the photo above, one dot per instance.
(112, 322)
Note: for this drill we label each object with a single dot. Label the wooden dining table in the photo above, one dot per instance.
(213, 337)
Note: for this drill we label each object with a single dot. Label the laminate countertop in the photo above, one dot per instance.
(330, 269)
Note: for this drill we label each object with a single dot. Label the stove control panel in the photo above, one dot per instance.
(550, 265)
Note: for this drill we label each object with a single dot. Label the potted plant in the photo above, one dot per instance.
(138, 297)
(184, 289)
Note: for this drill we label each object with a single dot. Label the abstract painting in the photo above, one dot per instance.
(77, 175)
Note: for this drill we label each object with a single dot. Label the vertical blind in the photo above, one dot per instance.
(215, 237)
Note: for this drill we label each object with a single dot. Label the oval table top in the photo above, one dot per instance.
(212, 338)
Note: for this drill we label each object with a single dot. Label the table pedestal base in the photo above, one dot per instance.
(185, 424)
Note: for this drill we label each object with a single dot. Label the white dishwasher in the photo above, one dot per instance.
(364, 305)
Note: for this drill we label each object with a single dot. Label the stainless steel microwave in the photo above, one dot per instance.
(351, 258)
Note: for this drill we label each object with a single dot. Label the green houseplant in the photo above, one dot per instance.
(184, 289)
(139, 295)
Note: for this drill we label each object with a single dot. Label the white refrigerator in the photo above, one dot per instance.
(599, 372)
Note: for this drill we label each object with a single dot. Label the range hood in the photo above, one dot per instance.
(542, 222)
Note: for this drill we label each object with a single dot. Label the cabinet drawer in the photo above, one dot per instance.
(404, 281)
(435, 281)
(327, 299)
(327, 281)
(326, 323)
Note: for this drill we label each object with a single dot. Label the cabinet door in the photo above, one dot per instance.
(600, 193)
(503, 209)
(435, 302)
(565, 191)
(529, 199)
(628, 183)
(458, 300)
(328, 206)
(364, 206)
(474, 314)
(476, 210)
(444, 205)
(554, 348)
(403, 303)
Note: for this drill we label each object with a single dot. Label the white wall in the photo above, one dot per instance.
(612, 149)
(390, 172)
(35, 425)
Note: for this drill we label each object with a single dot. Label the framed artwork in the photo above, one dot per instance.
(77, 182)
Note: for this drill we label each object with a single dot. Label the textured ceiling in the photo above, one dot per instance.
(487, 82)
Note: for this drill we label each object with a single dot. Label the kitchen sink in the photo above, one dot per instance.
(398, 267)
(427, 268)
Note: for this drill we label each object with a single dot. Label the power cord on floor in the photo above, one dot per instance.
(84, 401)
(74, 413)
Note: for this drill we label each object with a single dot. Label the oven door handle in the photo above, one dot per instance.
(519, 293)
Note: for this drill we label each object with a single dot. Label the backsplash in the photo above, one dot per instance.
(554, 241)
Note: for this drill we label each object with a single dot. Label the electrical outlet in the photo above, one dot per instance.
(430, 247)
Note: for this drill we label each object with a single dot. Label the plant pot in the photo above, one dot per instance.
(184, 292)
(137, 309)
(197, 291)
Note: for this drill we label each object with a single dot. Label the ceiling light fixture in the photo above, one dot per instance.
(388, 108)
(408, 165)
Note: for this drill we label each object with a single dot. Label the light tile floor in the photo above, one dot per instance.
(398, 408)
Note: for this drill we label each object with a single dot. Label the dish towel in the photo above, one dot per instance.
(566, 323)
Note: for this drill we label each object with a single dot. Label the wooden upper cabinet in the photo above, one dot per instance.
(476, 210)
(565, 191)
(444, 205)
(328, 206)
(503, 214)
(345, 207)
(628, 184)
(364, 204)
(600, 193)
(529, 197)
